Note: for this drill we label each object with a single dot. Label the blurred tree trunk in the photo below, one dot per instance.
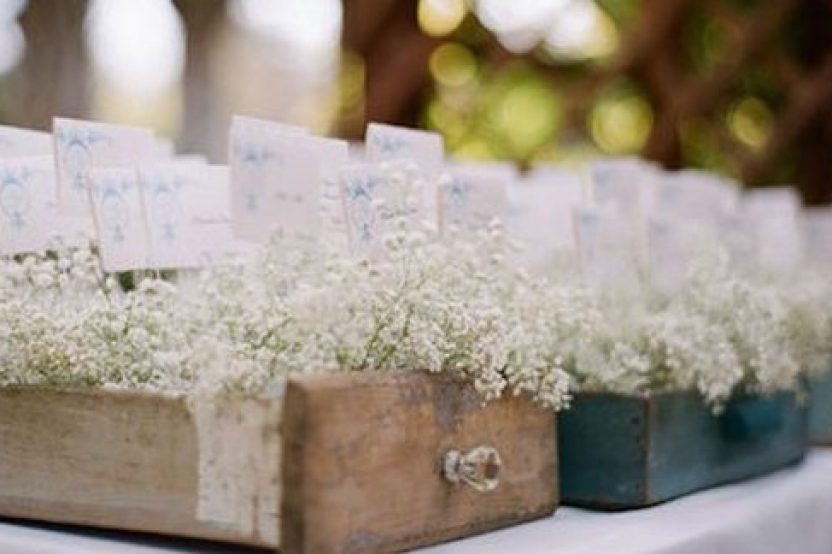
(52, 79)
(202, 19)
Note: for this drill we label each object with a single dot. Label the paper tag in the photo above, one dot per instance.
(540, 218)
(188, 215)
(816, 224)
(15, 142)
(388, 142)
(27, 191)
(275, 183)
(606, 248)
(669, 252)
(694, 195)
(469, 204)
(773, 213)
(118, 211)
(504, 171)
(374, 198)
(623, 185)
(82, 145)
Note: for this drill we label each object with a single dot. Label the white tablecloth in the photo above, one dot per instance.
(783, 513)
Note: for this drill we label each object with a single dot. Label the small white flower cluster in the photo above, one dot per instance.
(437, 304)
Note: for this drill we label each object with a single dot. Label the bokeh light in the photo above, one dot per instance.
(440, 17)
(453, 65)
(310, 28)
(620, 121)
(12, 41)
(138, 46)
(582, 31)
(750, 121)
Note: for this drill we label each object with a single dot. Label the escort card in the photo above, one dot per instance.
(275, 184)
(816, 225)
(774, 214)
(606, 248)
(27, 192)
(623, 185)
(540, 210)
(670, 245)
(188, 215)
(694, 195)
(82, 145)
(15, 142)
(468, 204)
(373, 199)
(388, 142)
(118, 213)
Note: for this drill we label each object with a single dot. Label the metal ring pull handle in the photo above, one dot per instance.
(480, 467)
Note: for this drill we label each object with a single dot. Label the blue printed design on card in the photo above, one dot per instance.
(78, 146)
(390, 145)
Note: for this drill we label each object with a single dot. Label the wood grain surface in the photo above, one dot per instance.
(129, 460)
(362, 462)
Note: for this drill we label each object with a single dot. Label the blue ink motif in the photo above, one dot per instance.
(360, 193)
(389, 145)
(458, 193)
(78, 145)
(14, 201)
(115, 213)
(256, 155)
(166, 208)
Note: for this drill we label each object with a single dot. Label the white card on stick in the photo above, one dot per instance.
(15, 142)
(82, 145)
(119, 215)
(388, 142)
(27, 194)
(275, 185)
(468, 204)
(606, 247)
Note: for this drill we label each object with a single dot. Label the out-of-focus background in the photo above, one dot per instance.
(742, 87)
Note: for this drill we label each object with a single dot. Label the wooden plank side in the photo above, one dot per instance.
(362, 462)
(119, 459)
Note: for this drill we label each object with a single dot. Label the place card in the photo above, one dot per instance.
(624, 185)
(606, 247)
(188, 216)
(694, 195)
(27, 192)
(82, 145)
(375, 196)
(816, 225)
(539, 218)
(470, 204)
(275, 184)
(669, 252)
(773, 213)
(118, 212)
(16, 142)
(388, 142)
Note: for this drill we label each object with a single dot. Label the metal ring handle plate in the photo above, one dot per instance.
(479, 468)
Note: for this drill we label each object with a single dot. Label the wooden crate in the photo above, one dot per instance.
(347, 463)
(620, 451)
(820, 410)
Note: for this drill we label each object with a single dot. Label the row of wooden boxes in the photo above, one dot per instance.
(372, 463)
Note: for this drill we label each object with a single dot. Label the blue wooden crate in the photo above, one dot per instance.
(619, 451)
(820, 410)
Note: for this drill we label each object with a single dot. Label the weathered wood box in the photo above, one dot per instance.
(619, 451)
(820, 409)
(349, 463)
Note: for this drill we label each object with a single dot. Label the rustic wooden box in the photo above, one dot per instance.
(820, 409)
(619, 451)
(352, 463)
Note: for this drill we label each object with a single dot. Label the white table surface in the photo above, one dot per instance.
(787, 512)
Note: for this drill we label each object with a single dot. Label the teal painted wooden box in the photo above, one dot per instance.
(820, 409)
(619, 451)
